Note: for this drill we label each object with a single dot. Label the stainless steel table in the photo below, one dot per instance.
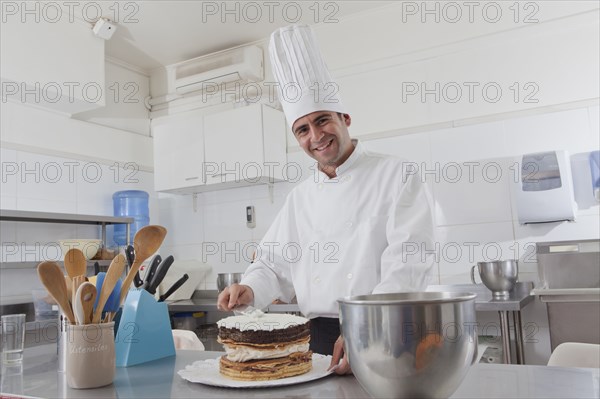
(519, 297)
(159, 379)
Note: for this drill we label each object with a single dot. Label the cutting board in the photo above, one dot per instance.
(197, 272)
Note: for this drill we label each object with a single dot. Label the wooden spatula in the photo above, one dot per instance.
(114, 273)
(53, 279)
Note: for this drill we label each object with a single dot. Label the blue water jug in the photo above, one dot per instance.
(130, 203)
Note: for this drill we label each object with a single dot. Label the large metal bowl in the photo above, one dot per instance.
(226, 279)
(410, 345)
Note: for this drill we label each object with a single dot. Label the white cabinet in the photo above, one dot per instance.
(178, 152)
(234, 148)
(244, 146)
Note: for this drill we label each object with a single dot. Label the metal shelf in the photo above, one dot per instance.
(67, 218)
(33, 264)
(48, 217)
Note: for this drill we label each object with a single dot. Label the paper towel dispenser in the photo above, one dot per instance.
(544, 190)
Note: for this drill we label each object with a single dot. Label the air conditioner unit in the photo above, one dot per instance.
(244, 64)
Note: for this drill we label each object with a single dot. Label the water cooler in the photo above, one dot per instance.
(130, 203)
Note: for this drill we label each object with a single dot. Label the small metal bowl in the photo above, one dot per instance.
(226, 279)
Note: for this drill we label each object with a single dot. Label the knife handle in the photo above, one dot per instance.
(152, 268)
(173, 288)
(130, 256)
(160, 274)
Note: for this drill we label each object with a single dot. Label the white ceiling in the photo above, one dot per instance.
(151, 34)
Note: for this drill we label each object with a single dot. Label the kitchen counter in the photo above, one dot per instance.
(159, 379)
(210, 305)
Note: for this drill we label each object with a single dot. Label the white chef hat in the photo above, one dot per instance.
(304, 83)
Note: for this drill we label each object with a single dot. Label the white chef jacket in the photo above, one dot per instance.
(368, 230)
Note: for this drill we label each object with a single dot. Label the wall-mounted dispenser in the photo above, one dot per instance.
(544, 190)
(595, 171)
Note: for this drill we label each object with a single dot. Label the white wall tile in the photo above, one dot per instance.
(9, 178)
(265, 215)
(594, 118)
(46, 179)
(469, 143)
(472, 193)
(226, 222)
(184, 224)
(463, 246)
(567, 130)
(7, 202)
(412, 147)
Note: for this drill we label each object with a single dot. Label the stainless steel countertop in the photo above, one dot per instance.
(159, 379)
(210, 305)
(519, 297)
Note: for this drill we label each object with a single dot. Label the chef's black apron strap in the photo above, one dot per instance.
(324, 331)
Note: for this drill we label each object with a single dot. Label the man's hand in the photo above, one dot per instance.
(343, 367)
(235, 295)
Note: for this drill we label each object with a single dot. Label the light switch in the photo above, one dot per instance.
(250, 217)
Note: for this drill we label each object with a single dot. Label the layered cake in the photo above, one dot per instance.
(264, 347)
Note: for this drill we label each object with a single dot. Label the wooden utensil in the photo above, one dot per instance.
(53, 279)
(76, 282)
(75, 263)
(69, 284)
(114, 273)
(147, 241)
(84, 304)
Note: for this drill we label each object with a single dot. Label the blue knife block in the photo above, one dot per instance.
(144, 332)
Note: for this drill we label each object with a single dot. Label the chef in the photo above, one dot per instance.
(361, 224)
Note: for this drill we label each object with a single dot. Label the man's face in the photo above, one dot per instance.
(324, 136)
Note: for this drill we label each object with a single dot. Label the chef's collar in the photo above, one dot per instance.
(343, 168)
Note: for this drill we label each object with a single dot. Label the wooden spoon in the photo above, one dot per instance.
(75, 263)
(75, 283)
(53, 279)
(147, 241)
(114, 273)
(84, 305)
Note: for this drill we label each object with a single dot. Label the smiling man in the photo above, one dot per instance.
(324, 136)
(361, 225)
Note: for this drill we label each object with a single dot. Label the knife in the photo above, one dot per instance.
(151, 271)
(130, 255)
(173, 288)
(160, 274)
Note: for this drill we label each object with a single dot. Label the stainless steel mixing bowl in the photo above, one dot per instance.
(410, 345)
(499, 276)
(226, 279)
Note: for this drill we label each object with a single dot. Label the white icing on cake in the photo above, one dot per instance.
(241, 353)
(267, 322)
